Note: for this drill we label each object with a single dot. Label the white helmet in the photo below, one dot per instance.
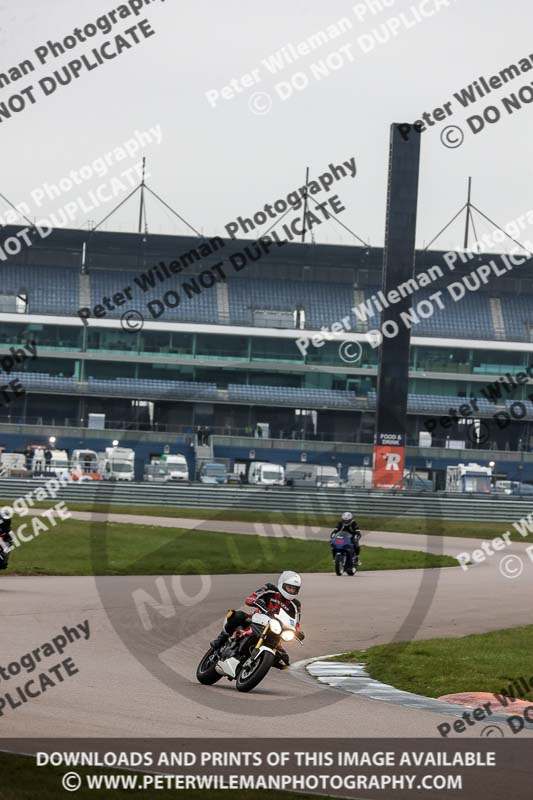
(347, 517)
(289, 584)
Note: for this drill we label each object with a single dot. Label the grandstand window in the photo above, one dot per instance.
(13, 333)
(266, 349)
(111, 340)
(496, 362)
(438, 359)
(62, 337)
(449, 388)
(212, 346)
(165, 342)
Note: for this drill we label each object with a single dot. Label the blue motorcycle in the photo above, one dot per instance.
(343, 553)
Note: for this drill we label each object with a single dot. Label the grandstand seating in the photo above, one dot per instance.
(200, 307)
(441, 404)
(517, 311)
(323, 303)
(50, 290)
(330, 398)
(178, 390)
(469, 319)
(191, 390)
(53, 290)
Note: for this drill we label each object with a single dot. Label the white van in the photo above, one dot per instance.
(59, 463)
(359, 477)
(84, 466)
(304, 474)
(262, 473)
(212, 472)
(117, 464)
(177, 469)
(328, 477)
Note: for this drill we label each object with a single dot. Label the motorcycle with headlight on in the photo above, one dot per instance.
(250, 652)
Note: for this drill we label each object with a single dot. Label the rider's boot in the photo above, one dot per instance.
(224, 634)
(221, 639)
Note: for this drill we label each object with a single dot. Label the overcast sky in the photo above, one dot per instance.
(216, 163)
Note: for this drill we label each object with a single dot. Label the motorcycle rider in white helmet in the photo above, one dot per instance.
(269, 598)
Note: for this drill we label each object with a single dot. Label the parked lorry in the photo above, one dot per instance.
(117, 464)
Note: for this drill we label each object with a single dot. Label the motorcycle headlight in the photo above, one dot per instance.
(287, 636)
(275, 626)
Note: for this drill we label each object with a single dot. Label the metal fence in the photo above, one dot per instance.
(429, 505)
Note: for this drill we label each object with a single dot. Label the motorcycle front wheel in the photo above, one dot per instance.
(340, 560)
(253, 672)
(206, 672)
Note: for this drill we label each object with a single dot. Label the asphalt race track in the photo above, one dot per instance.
(142, 683)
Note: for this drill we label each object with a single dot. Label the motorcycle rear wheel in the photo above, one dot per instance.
(206, 672)
(251, 678)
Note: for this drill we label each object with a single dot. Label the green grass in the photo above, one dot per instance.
(77, 547)
(435, 527)
(22, 780)
(485, 662)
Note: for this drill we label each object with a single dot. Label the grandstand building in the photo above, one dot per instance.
(238, 338)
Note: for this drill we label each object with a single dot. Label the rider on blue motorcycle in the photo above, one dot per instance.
(347, 524)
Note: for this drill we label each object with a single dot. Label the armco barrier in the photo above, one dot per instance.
(247, 498)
